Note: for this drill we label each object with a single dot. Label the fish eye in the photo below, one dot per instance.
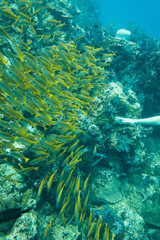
(8, 97)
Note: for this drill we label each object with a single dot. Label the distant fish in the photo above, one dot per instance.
(11, 213)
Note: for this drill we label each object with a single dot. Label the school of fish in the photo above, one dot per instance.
(46, 82)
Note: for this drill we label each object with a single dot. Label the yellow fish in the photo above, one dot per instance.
(50, 181)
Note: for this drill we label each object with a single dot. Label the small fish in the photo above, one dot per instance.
(96, 162)
(25, 7)
(59, 196)
(67, 137)
(3, 59)
(76, 213)
(61, 81)
(72, 164)
(26, 141)
(8, 13)
(24, 170)
(50, 162)
(52, 22)
(4, 124)
(86, 201)
(48, 229)
(113, 236)
(95, 150)
(98, 227)
(26, 23)
(90, 218)
(86, 183)
(69, 177)
(81, 220)
(62, 175)
(77, 187)
(63, 219)
(36, 11)
(46, 117)
(79, 37)
(30, 56)
(50, 181)
(65, 124)
(63, 207)
(106, 55)
(33, 31)
(39, 159)
(78, 149)
(28, 122)
(7, 177)
(16, 127)
(11, 112)
(59, 187)
(29, 109)
(106, 232)
(79, 202)
(70, 187)
(41, 186)
(45, 15)
(17, 50)
(6, 136)
(58, 27)
(2, 170)
(12, 101)
(19, 94)
(91, 228)
(7, 144)
(6, 87)
(95, 50)
(11, 213)
(65, 75)
(25, 16)
(26, 197)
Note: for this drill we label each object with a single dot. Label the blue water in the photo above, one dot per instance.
(142, 13)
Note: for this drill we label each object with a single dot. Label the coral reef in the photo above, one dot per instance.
(63, 80)
(46, 82)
